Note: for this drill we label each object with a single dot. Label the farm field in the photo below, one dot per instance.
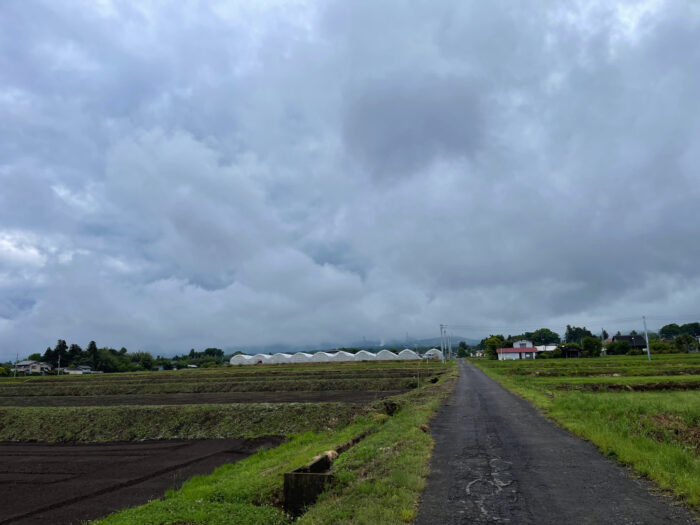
(178, 398)
(645, 414)
(80, 482)
(151, 423)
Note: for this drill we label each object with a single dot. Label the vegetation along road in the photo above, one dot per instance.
(498, 459)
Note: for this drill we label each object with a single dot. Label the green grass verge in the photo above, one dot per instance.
(657, 434)
(379, 480)
(137, 423)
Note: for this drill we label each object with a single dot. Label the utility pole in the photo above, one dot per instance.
(646, 336)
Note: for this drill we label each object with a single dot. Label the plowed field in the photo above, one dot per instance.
(66, 484)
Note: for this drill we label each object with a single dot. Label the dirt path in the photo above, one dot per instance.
(498, 460)
(68, 484)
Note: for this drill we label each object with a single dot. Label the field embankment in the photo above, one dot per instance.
(645, 414)
(378, 480)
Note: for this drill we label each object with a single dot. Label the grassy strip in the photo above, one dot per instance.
(623, 427)
(379, 480)
(138, 423)
(268, 371)
(654, 433)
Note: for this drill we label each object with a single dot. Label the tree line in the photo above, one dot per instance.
(671, 338)
(107, 359)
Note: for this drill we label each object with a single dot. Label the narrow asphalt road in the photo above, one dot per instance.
(498, 460)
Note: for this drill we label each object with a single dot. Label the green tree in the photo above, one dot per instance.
(48, 356)
(3, 371)
(670, 330)
(74, 354)
(605, 334)
(657, 346)
(591, 346)
(685, 343)
(34, 357)
(544, 336)
(575, 334)
(59, 354)
(92, 354)
(618, 348)
(463, 350)
(691, 329)
(492, 344)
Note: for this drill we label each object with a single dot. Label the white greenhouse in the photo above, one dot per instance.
(408, 355)
(386, 355)
(320, 357)
(433, 353)
(242, 359)
(300, 357)
(280, 358)
(325, 357)
(342, 356)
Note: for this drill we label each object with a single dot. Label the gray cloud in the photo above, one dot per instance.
(397, 126)
(215, 174)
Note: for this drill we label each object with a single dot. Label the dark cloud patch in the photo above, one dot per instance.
(396, 126)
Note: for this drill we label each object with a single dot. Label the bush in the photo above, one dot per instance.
(592, 347)
(618, 348)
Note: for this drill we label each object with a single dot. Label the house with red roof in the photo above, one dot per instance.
(521, 350)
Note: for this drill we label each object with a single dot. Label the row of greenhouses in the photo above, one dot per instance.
(328, 357)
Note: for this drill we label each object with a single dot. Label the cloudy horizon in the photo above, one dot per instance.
(235, 174)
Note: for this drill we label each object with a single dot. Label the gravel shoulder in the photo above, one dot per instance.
(497, 459)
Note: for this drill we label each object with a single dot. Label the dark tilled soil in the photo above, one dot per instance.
(497, 459)
(339, 396)
(66, 484)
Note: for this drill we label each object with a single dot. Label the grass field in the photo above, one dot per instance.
(378, 480)
(645, 414)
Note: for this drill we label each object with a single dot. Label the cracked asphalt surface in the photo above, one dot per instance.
(497, 459)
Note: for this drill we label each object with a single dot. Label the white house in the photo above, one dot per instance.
(522, 349)
(32, 367)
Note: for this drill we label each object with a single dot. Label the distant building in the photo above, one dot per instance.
(635, 341)
(32, 367)
(521, 352)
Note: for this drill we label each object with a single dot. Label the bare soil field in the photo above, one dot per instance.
(204, 398)
(67, 484)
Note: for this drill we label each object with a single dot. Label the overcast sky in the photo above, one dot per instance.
(194, 174)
